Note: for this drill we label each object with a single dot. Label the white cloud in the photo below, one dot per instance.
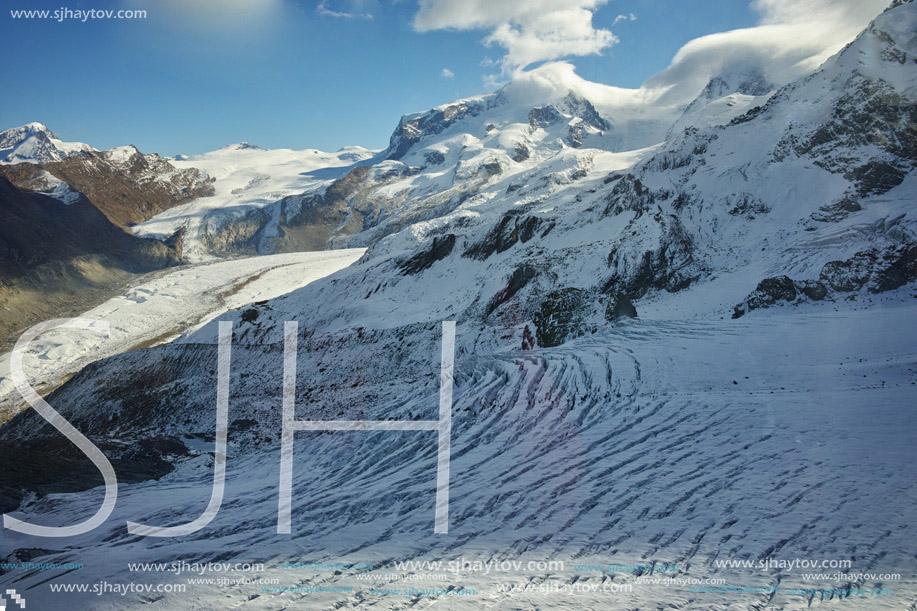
(794, 37)
(529, 30)
(622, 17)
(352, 9)
(447, 73)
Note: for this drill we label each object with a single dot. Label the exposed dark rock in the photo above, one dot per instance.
(575, 134)
(521, 276)
(434, 158)
(409, 131)
(619, 306)
(544, 117)
(511, 229)
(876, 270)
(560, 317)
(174, 241)
(870, 113)
(681, 201)
(439, 249)
(813, 289)
(748, 206)
(492, 168)
(876, 177)
(630, 194)
(837, 211)
(583, 108)
(520, 152)
(768, 292)
(669, 266)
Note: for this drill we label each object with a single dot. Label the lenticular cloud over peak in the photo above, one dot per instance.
(792, 38)
(530, 32)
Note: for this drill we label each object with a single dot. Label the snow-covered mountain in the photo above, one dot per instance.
(64, 242)
(34, 143)
(245, 213)
(629, 386)
(273, 201)
(125, 184)
(830, 175)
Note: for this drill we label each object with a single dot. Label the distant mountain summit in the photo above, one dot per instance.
(34, 143)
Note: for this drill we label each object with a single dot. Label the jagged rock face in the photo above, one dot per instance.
(619, 306)
(520, 277)
(544, 117)
(583, 109)
(869, 114)
(876, 270)
(768, 292)
(560, 317)
(512, 229)
(670, 266)
(411, 130)
(748, 83)
(630, 194)
(126, 185)
(440, 248)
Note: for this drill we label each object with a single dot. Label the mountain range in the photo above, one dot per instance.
(667, 317)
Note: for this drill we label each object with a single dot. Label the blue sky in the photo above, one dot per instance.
(299, 77)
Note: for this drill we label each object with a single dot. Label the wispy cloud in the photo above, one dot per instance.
(352, 9)
(447, 73)
(622, 17)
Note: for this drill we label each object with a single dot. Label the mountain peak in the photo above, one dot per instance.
(241, 146)
(34, 143)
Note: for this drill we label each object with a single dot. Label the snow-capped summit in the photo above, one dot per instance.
(241, 146)
(34, 143)
(548, 108)
(725, 97)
